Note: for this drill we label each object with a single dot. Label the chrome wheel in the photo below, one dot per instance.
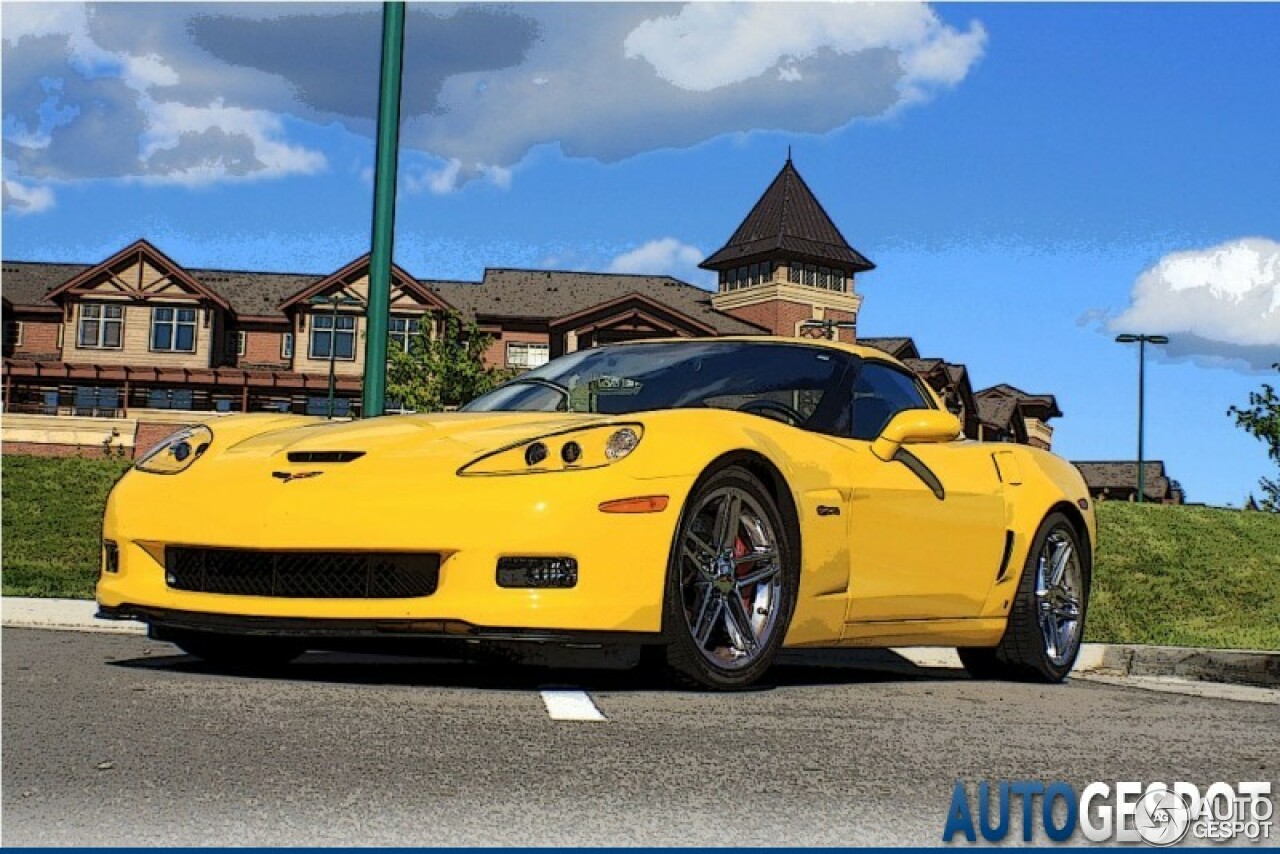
(730, 578)
(1059, 592)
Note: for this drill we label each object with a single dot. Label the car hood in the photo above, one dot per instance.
(473, 432)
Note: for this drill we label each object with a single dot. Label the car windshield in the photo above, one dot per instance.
(789, 382)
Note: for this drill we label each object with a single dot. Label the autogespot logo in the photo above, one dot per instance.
(1157, 813)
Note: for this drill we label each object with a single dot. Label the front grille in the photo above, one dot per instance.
(302, 575)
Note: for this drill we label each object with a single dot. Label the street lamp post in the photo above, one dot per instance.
(1142, 341)
(333, 301)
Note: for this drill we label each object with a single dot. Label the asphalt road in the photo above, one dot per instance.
(118, 740)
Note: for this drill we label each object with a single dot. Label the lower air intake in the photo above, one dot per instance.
(302, 575)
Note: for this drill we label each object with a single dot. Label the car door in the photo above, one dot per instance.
(926, 540)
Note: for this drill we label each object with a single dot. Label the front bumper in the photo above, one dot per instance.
(469, 522)
(162, 622)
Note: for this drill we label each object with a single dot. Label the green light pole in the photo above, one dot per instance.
(333, 301)
(384, 211)
(1142, 341)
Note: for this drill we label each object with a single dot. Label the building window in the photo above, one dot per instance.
(523, 354)
(236, 343)
(286, 346)
(794, 273)
(837, 280)
(101, 327)
(173, 330)
(12, 334)
(402, 330)
(333, 334)
(824, 277)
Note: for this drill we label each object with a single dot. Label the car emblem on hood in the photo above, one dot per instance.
(286, 476)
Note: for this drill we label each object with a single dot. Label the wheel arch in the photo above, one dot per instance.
(1073, 514)
(771, 478)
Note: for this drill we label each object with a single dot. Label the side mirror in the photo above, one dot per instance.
(915, 426)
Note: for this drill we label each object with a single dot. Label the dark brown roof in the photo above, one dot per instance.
(549, 294)
(1123, 476)
(1046, 404)
(26, 283)
(899, 348)
(923, 367)
(255, 293)
(788, 219)
(997, 412)
(535, 294)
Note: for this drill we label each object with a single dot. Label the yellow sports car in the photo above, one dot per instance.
(712, 501)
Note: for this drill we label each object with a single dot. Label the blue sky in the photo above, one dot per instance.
(1029, 179)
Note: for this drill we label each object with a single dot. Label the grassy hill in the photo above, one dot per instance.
(1187, 576)
(1190, 576)
(52, 511)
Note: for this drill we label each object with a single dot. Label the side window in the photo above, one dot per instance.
(879, 393)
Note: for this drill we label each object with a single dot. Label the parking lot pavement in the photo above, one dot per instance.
(118, 740)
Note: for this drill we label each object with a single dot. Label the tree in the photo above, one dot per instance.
(440, 371)
(1261, 419)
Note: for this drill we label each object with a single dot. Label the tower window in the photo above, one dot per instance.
(794, 272)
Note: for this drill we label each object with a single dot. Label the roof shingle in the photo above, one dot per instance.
(788, 217)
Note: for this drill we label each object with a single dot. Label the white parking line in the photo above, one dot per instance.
(571, 706)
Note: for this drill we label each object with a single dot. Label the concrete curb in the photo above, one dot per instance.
(66, 614)
(1237, 667)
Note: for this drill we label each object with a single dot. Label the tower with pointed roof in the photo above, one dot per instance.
(787, 263)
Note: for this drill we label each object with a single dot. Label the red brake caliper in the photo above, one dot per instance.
(740, 549)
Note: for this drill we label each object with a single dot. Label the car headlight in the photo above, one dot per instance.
(177, 452)
(568, 450)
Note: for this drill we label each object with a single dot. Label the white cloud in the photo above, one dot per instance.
(194, 93)
(707, 46)
(98, 115)
(666, 256)
(173, 124)
(1218, 304)
(23, 199)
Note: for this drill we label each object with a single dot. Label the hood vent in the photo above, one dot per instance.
(324, 456)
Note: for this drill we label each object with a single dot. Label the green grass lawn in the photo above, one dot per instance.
(1186, 576)
(1190, 576)
(53, 523)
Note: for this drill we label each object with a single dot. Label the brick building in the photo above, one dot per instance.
(92, 351)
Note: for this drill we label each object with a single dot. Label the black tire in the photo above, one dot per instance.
(765, 604)
(1025, 653)
(237, 652)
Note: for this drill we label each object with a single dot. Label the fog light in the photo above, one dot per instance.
(110, 557)
(537, 572)
(535, 453)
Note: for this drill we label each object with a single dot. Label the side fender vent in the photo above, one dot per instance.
(1004, 561)
(324, 456)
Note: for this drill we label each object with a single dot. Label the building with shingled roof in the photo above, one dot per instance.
(139, 337)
